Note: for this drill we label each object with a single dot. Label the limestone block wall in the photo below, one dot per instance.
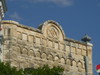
(28, 47)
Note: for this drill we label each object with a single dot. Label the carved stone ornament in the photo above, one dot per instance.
(52, 32)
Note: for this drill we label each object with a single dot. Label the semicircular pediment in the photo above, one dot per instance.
(52, 30)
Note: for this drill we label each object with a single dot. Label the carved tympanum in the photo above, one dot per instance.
(52, 32)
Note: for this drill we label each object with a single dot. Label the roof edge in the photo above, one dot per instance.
(39, 30)
(20, 25)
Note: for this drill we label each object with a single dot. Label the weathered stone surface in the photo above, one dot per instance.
(29, 47)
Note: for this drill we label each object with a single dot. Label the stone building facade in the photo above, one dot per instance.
(3, 9)
(27, 47)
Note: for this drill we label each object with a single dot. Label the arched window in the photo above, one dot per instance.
(25, 51)
(30, 53)
(79, 64)
(56, 59)
(44, 56)
(50, 57)
(38, 54)
(18, 50)
(68, 62)
(62, 60)
(73, 63)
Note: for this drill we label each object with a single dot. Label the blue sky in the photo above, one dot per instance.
(77, 17)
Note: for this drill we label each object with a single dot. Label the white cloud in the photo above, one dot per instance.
(58, 2)
(15, 16)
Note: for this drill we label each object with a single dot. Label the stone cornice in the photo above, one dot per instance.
(20, 25)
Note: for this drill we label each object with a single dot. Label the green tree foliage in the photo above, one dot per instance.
(6, 69)
(45, 70)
